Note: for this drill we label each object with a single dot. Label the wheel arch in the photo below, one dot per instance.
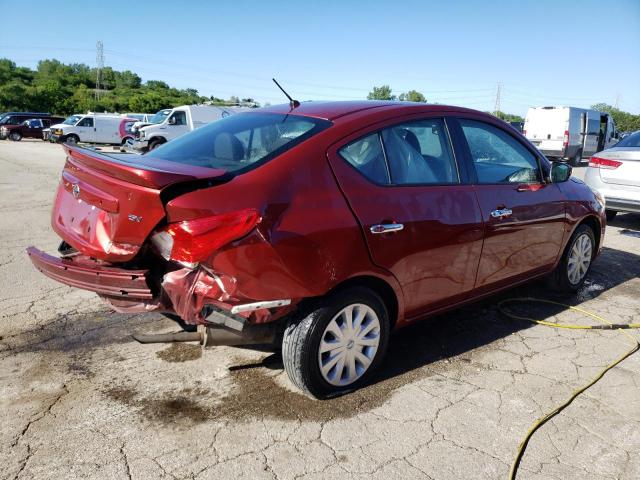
(381, 287)
(592, 222)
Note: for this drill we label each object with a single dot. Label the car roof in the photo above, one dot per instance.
(333, 110)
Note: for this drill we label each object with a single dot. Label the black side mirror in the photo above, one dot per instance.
(560, 172)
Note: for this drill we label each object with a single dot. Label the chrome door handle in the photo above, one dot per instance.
(501, 213)
(386, 227)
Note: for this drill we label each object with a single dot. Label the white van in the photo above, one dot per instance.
(180, 121)
(89, 128)
(569, 133)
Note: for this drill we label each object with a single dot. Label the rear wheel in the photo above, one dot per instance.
(611, 214)
(336, 346)
(576, 160)
(15, 136)
(574, 265)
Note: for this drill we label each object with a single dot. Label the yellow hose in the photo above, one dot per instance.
(606, 324)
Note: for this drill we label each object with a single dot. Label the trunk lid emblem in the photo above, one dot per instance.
(75, 190)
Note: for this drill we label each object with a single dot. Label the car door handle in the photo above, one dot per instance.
(386, 228)
(501, 213)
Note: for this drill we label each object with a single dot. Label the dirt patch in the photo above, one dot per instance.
(180, 352)
(183, 406)
(414, 353)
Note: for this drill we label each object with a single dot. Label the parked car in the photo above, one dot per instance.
(28, 129)
(615, 174)
(324, 225)
(89, 128)
(180, 121)
(16, 118)
(569, 133)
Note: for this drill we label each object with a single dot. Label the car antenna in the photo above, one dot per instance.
(292, 103)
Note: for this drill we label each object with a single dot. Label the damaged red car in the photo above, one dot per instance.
(322, 227)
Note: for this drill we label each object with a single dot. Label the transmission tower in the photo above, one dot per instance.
(497, 105)
(617, 105)
(100, 66)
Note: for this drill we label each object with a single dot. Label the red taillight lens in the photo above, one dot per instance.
(193, 241)
(565, 139)
(524, 132)
(605, 163)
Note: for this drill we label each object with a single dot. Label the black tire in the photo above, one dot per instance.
(576, 160)
(611, 214)
(153, 144)
(559, 279)
(15, 136)
(71, 139)
(303, 334)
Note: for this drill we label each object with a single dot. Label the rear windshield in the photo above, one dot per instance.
(632, 140)
(240, 142)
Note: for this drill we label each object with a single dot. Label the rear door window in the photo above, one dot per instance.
(367, 157)
(419, 153)
(497, 156)
(411, 153)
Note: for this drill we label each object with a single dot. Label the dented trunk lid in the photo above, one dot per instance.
(107, 205)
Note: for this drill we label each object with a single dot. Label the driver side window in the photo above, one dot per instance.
(179, 118)
(86, 122)
(497, 156)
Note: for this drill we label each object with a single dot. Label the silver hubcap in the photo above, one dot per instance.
(349, 344)
(579, 258)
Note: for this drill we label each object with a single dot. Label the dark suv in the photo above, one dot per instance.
(16, 118)
(31, 128)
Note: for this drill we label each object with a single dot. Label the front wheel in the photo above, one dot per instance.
(337, 345)
(72, 139)
(572, 270)
(153, 144)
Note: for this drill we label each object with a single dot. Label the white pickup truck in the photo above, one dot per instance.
(180, 121)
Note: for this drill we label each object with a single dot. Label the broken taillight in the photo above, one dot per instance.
(193, 241)
(605, 163)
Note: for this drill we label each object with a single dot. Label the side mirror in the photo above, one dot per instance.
(172, 120)
(560, 172)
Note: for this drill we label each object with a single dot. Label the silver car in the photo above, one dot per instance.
(615, 173)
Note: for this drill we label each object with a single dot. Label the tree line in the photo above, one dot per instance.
(65, 89)
(625, 121)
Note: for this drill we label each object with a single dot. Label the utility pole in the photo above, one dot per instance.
(100, 66)
(497, 105)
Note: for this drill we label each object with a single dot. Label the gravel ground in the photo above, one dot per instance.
(456, 395)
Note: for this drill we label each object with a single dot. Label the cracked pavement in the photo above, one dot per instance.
(455, 397)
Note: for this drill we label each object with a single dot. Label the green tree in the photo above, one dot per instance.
(508, 117)
(381, 93)
(625, 121)
(412, 96)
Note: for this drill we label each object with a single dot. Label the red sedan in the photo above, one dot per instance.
(324, 226)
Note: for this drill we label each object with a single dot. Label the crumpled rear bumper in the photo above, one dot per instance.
(198, 296)
(82, 272)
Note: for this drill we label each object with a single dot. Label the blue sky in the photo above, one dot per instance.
(543, 52)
